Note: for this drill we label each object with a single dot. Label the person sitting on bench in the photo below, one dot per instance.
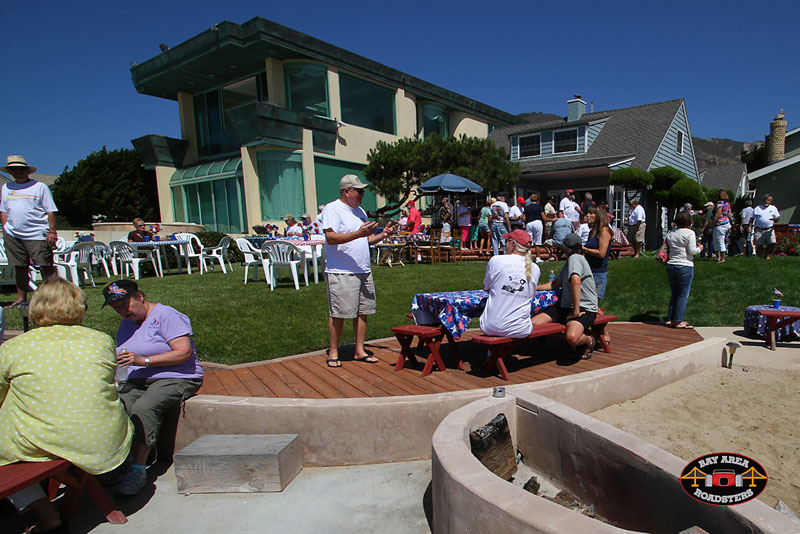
(577, 307)
(511, 281)
(57, 396)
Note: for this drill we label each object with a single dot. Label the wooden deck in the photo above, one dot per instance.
(309, 378)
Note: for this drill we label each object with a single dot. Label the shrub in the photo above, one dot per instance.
(788, 245)
(631, 178)
(686, 190)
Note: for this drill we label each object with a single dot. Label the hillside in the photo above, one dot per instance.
(715, 152)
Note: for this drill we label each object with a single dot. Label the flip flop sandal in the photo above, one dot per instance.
(366, 359)
(333, 363)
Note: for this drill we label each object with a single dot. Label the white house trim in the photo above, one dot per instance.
(621, 162)
(774, 167)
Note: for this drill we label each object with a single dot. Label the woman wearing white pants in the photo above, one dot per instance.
(534, 214)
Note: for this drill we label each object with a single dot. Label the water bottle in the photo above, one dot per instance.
(552, 275)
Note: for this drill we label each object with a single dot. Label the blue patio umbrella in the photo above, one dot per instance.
(450, 183)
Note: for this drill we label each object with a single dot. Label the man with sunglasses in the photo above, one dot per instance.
(351, 291)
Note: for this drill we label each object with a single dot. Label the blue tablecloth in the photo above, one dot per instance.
(455, 309)
(757, 323)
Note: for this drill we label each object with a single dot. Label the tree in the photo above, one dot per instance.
(631, 178)
(110, 183)
(664, 179)
(395, 169)
(755, 158)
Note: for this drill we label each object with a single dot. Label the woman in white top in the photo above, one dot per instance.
(683, 248)
(511, 281)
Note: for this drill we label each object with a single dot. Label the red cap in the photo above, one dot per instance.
(521, 200)
(570, 191)
(411, 203)
(520, 236)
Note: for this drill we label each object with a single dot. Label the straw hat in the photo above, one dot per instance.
(16, 162)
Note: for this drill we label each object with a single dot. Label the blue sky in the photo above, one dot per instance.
(67, 88)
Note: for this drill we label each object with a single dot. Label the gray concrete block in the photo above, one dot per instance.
(238, 463)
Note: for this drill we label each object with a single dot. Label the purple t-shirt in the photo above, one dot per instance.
(152, 337)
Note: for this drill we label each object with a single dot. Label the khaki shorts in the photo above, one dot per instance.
(764, 236)
(636, 232)
(350, 295)
(19, 251)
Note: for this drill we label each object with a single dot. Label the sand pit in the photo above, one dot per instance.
(747, 410)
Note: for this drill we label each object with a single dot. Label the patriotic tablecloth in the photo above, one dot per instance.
(757, 323)
(455, 309)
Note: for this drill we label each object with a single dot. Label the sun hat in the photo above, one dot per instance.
(572, 242)
(520, 236)
(119, 290)
(17, 162)
(351, 180)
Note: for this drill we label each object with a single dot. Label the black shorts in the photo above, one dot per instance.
(559, 315)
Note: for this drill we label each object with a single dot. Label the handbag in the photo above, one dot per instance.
(662, 256)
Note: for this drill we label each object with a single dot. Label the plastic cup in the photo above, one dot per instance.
(776, 303)
(147, 238)
(157, 238)
(121, 373)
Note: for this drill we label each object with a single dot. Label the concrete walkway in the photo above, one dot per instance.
(754, 351)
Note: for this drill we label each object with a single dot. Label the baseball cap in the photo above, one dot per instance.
(411, 203)
(520, 199)
(305, 216)
(572, 242)
(707, 204)
(570, 191)
(288, 216)
(520, 236)
(119, 290)
(351, 180)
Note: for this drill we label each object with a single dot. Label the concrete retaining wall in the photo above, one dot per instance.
(391, 429)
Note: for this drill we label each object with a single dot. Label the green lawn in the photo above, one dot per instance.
(236, 323)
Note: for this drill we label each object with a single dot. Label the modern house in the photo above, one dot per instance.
(272, 118)
(781, 177)
(728, 177)
(581, 150)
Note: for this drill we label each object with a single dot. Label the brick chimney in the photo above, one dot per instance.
(777, 139)
(577, 107)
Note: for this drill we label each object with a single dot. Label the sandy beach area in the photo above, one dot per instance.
(751, 409)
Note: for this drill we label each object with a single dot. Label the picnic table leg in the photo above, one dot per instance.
(434, 356)
(772, 332)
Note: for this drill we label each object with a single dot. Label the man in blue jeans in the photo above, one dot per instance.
(500, 223)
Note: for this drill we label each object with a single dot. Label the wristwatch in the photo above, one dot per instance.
(147, 362)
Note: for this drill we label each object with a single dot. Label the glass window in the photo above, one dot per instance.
(565, 141)
(307, 88)
(366, 104)
(218, 204)
(280, 180)
(530, 145)
(679, 147)
(435, 120)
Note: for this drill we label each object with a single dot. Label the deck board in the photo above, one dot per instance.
(308, 377)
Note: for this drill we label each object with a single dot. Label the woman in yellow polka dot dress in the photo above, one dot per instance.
(58, 396)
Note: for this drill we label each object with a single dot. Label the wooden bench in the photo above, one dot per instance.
(20, 475)
(451, 342)
(429, 336)
(777, 319)
(504, 346)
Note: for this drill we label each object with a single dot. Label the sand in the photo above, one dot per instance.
(746, 410)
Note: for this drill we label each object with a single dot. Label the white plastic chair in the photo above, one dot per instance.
(194, 250)
(102, 253)
(76, 258)
(218, 253)
(128, 258)
(255, 258)
(286, 255)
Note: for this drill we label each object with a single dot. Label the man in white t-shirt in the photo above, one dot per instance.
(571, 209)
(293, 228)
(747, 216)
(500, 223)
(28, 216)
(636, 226)
(351, 291)
(515, 216)
(764, 217)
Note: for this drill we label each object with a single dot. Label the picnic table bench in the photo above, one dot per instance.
(20, 475)
(501, 346)
(777, 319)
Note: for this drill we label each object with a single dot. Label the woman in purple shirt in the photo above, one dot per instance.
(154, 343)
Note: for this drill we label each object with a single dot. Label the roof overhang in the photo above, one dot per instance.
(586, 172)
(217, 170)
(774, 167)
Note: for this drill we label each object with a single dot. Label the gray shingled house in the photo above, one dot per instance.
(581, 150)
(730, 177)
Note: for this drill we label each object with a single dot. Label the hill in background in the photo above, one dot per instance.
(715, 152)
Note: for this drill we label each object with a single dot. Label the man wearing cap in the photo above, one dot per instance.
(500, 222)
(636, 226)
(292, 227)
(307, 224)
(515, 217)
(351, 291)
(28, 216)
(571, 209)
(414, 223)
(707, 230)
(577, 307)
(511, 281)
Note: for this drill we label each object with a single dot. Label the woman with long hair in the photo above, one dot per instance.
(683, 247)
(597, 249)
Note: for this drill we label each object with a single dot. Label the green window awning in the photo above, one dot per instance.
(218, 170)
